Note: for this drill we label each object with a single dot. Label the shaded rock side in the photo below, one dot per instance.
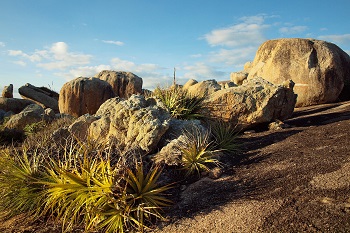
(256, 101)
(13, 104)
(84, 95)
(7, 92)
(41, 95)
(135, 123)
(124, 84)
(31, 114)
(319, 69)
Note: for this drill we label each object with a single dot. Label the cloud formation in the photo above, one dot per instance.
(2, 44)
(57, 57)
(119, 43)
(341, 39)
(248, 32)
(293, 30)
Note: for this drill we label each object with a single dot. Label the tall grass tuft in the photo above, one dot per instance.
(180, 103)
(196, 155)
(225, 137)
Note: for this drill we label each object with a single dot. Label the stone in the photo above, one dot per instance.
(247, 66)
(226, 84)
(189, 83)
(40, 95)
(13, 104)
(170, 141)
(319, 69)
(124, 84)
(50, 113)
(84, 95)
(80, 127)
(31, 114)
(238, 77)
(7, 92)
(133, 124)
(256, 101)
(206, 87)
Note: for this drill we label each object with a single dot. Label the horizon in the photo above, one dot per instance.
(49, 42)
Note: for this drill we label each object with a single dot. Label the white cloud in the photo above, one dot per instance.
(21, 63)
(55, 57)
(196, 55)
(62, 58)
(233, 57)
(341, 39)
(35, 57)
(119, 43)
(201, 71)
(248, 32)
(2, 44)
(293, 29)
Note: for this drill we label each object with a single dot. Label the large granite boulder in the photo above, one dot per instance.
(31, 114)
(7, 92)
(124, 84)
(133, 124)
(13, 104)
(319, 69)
(256, 101)
(84, 95)
(41, 95)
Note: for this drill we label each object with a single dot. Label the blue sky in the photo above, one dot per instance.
(49, 42)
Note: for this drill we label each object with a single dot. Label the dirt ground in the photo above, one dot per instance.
(290, 180)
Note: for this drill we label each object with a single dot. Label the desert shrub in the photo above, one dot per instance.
(196, 155)
(34, 127)
(224, 137)
(19, 172)
(81, 187)
(180, 103)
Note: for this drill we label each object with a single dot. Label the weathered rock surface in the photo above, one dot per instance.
(124, 84)
(41, 95)
(170, 141)
(255, 101)
(80, 127)
(84, 95)
(7, 92)
(319, 69)
(13, 104)
(31, 114)
(238, 77)
(135, 123)
(204, 87)
(189, 83)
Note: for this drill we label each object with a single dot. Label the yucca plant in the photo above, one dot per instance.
(180, 103)
(19, 173)
(144, 194)
(225, 137)
(87, 191)
(196, 155)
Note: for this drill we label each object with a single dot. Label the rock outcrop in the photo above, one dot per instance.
(124, 84)
(7, 92)
(256, 101)
(206, 87)
(31, 114)
(41, 95)
(238, 77)
(13, 104)
(319, 69)
(133, 124)
(84, 95)
(80, 127)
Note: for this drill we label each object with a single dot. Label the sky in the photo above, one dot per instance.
(50, 42)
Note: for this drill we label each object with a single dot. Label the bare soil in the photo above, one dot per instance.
(290, 180)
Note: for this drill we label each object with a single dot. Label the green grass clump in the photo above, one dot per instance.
(196, 155)
(180, 103)
(225, 137)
